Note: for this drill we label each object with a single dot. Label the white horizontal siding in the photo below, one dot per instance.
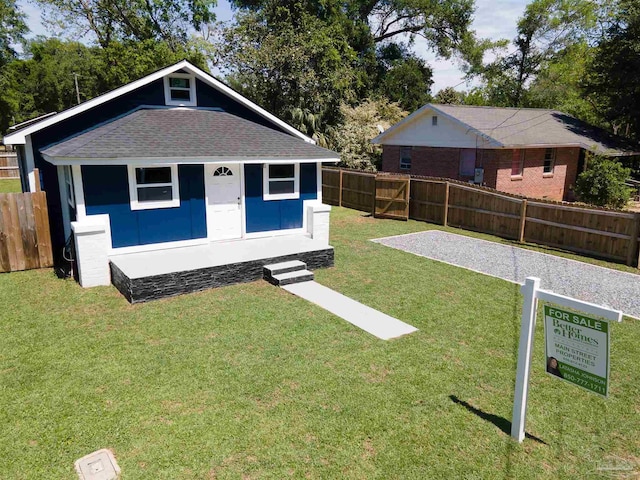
(420, 132)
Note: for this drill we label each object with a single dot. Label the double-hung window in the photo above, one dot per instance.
(180, 89)
(153, 187)
(405, 158)
(549, 161)
(281, 181)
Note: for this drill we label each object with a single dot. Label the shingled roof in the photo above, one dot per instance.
(518, 127)
(188, 134)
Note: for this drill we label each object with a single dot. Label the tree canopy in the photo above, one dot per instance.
(613, 78)
(107, 20)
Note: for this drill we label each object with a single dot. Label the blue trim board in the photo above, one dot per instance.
(106, 191)
(264, 216)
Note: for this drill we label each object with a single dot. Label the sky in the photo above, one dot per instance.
(494, 19)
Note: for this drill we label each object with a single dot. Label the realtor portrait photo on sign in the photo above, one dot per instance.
(552, 367)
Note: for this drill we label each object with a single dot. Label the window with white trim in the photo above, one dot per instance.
(405, 158)
(180, 89)
(68, 185)
(281, 181)
(549, 160)
(153, 187)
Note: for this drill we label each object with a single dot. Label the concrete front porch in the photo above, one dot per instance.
(164, 273)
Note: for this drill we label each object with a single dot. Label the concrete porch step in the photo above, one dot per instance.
(283, 267)
(290, 278)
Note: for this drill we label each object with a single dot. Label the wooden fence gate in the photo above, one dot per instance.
(25, 239)
(392, 197)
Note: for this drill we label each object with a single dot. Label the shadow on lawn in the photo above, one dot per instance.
(500, 422)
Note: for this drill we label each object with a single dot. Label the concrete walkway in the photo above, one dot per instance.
(591, 283)
(372, 321)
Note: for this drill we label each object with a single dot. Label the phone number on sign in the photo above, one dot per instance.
(589, 384)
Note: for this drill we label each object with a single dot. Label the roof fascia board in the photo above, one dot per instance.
(182, 160)
(19, 137)
(609, 153)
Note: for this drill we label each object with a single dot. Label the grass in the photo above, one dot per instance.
(10, 185)
(249, 381)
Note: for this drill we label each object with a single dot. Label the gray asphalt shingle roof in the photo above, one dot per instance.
(176, 133)
(536, 126)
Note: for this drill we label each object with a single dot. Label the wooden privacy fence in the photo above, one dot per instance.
(9, 165)
(25, 239)
(392, 197)
(596, 232)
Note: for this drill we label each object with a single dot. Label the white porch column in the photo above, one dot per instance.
(318, 221)
(92, 249)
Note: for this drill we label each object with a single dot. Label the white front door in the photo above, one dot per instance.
(224, 209)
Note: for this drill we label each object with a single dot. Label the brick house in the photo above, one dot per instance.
(532, 152)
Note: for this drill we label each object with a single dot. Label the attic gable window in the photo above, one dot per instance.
(434, 120)
(180, 89)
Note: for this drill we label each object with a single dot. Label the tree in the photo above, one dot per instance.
(361, 124)
(449, 96)
(546, 30)
(613, 80)
(12, 31)
(169, 21)
(301, 59)
(603, 183)
(444, 24)
(300, 69)
(47, 72)
(403, 77)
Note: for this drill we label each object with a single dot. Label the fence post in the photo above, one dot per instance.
(340, 190)
(36, 174)
(634, 244)
(523, 219)
(375, 193)
(446, 204)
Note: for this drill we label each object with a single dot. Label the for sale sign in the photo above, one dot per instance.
(577, 349)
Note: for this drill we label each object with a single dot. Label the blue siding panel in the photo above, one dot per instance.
(263, 216)
(212, 98)
(106, 190)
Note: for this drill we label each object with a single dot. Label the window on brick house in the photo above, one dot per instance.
(549, 160)
(517, 163)
(467, 163)
(405, 158)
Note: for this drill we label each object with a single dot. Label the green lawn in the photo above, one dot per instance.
(249, 381)
(10, 185)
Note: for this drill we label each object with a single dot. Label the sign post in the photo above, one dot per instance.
(577, 345)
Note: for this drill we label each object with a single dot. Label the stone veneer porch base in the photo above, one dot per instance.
(154, 287)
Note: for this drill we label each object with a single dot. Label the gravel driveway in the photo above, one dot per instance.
(619, 290)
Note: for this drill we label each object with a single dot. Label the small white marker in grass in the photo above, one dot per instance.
(99, 465)
(576, 346)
